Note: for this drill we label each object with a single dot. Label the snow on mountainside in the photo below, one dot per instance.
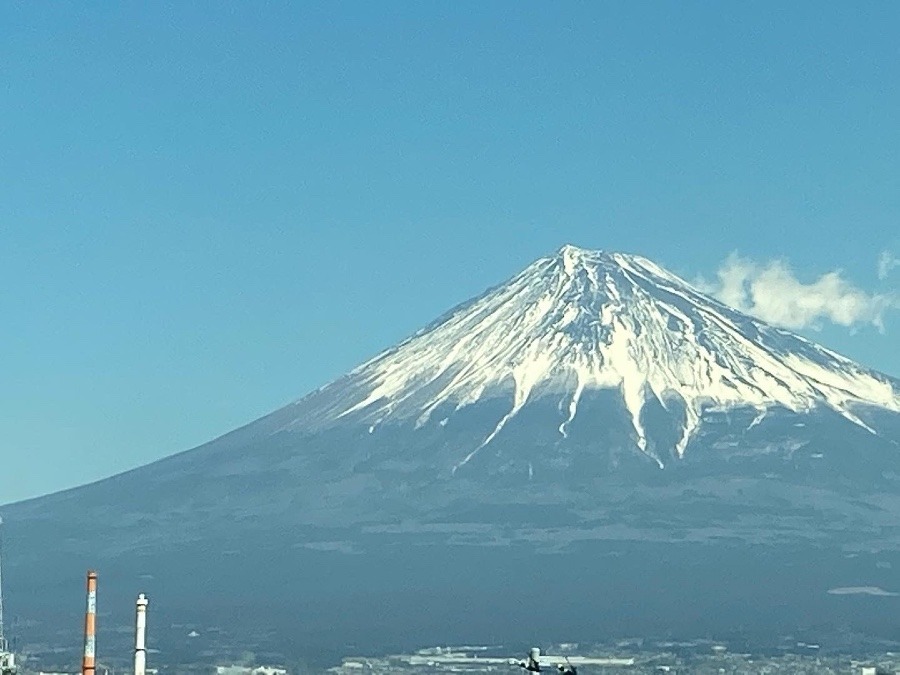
(585, 320)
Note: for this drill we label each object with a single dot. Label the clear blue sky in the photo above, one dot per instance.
(209, 209)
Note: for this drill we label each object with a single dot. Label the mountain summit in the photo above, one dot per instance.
(584, 320)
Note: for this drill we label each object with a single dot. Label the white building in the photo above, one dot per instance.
(247, 670)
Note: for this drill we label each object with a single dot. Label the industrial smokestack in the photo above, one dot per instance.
(140, 636)
(90, 626)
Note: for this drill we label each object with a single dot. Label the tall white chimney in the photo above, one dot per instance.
(140, 636)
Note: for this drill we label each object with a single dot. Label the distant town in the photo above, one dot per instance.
(628, 657)
(700, 658)
(636, 656)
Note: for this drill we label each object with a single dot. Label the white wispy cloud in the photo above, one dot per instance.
(862, 590)
(772, 292)
(887, 261)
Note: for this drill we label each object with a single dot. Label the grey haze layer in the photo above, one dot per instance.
(594, 408)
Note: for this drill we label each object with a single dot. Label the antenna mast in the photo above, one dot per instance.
(3, 646)
(7, 659)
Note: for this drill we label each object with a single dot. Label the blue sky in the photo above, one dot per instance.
(209, 209)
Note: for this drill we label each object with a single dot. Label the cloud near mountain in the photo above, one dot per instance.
(887, 262)
(772, 292)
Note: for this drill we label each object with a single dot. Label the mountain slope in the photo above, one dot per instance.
(567, 374)
(533, 418)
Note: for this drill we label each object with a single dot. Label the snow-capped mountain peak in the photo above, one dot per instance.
(582, 320)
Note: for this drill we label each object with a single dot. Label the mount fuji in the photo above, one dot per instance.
(594, 414)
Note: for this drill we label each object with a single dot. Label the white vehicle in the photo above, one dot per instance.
(532, 664)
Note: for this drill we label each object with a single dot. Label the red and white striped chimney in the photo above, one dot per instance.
(90, 626)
